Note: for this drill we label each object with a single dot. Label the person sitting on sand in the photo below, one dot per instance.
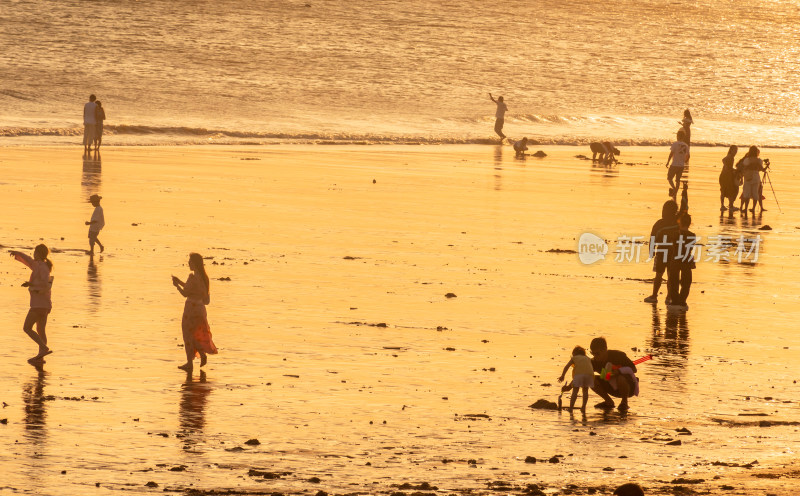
(629, 489)
(39, 286)
(679, 155)
(606, 150)
(582, 376)
(520, 147)
(99, 117)
(194, 324)
(752, 166)
(97, 222)
(622, 381)
(669, 212)
(728, 180)
(500, 116)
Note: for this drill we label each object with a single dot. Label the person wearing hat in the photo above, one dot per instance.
(96, 224)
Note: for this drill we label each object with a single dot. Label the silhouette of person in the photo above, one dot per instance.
(668, 218)
(500, 116)
(99, 117)
(97, 222)
(89, 122)
(194, 324)
(39, 286)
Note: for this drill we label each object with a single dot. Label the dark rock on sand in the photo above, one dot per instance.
(677, 442)
(422, 486)
(4, 421)
(540, 154)
(450, 295)
(559, 250)
(543, 404)
(683, 431)
(765, 227)
(687, 481)
(178, 468)
(314, 480)
(252, 442)
(530, 459)
(554, 459)
(151, 484)
(266, 475)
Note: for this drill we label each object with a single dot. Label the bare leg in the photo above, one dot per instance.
(624, 391)
(585, 398)
(188, 346)
(203, 357)
(573, 398)
(38, 317)
(600, 389)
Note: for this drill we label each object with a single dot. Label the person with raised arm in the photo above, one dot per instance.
(39, 285)
(500, 116)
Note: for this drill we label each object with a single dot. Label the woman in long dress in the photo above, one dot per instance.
(196, 332)
(728, 180)
(38, 286)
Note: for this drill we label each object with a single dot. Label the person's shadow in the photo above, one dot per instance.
(95, 286)
(92, 174)
(192, 417)
(35, 411)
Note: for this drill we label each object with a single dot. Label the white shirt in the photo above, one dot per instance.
(98, 220)
(501, 110)
(679, 151)
(88, 113)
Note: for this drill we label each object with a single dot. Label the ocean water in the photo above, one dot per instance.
(400, 71)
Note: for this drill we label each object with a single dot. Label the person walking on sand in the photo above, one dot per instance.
(97, 222)
(194, 324)
(99, 117)
(500, 116)
(669, 212)
(582, 376)
(620, 379)
(89, 122)
(752, 166)
(728, 180)
(679, 155)
(39, 286)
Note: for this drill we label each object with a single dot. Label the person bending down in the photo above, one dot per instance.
(616, 375)
(520, 147)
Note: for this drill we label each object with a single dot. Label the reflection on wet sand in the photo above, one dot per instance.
(35, 411)
(94, 284)
(606, 169)
(671, 344)
(91, 178)
(498, 166)
(192, 409)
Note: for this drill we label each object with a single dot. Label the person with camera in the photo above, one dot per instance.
(752, 166)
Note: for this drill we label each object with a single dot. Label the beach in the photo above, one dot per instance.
(341, 352)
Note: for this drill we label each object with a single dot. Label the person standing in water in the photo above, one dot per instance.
(679, 155)
(669, 212)
(99, 117)
(97, 223)
(500, 116)
(728, 180)
(38, 286)
(194, 324)
(686, 124)
(89, 122)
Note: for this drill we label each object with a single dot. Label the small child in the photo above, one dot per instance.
(96, 224)
(520, 147)
(582, 376)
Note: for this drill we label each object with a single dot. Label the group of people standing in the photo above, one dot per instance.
(746, 173)
(93, 116)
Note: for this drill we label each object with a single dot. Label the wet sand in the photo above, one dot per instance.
(341, 354)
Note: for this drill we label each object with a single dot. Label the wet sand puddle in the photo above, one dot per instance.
(344, 367)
